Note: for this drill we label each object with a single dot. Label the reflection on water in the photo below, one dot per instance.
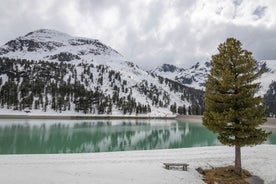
(71, 136)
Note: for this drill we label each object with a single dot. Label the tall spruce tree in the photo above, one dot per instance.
(231, 108)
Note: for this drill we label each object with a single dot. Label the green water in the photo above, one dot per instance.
(83, 136)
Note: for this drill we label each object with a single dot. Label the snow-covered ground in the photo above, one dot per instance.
(132, 166)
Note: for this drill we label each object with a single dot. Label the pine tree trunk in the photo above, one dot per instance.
(238, 168)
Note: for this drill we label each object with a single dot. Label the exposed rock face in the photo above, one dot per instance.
(192, 77)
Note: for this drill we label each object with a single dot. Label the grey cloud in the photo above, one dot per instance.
(237, 2)
(20, 17)
(259, 40)
(187, 43)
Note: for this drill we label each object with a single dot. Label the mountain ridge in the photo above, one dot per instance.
(195, 75)
(44, 43)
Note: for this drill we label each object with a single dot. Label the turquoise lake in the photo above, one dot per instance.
(32, 136)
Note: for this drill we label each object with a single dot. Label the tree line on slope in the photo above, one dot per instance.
(62, 86)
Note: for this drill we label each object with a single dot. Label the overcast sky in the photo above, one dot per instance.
(150, 32)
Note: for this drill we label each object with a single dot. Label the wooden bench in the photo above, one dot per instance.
(184, 165)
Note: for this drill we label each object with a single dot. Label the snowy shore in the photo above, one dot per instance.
(9, 114)
(192, 118)
(132, 166)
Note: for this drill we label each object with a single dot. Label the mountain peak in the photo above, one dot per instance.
(47, 44)
(193, 77)
(169, 68)
(196, 65)
(47, 34)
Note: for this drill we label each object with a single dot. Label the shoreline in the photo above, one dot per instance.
(77, 117)
(271, 122)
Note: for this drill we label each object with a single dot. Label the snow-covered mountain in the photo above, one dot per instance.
(195, 76)
(52, 45)
(47, 71)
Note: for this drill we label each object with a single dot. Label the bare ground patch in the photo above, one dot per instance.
(223, 175)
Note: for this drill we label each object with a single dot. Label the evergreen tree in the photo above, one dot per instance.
(173, 108)
(231, 109)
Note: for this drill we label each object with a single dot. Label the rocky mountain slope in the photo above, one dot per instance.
(193, 77)
(49, 72)
(196, 75)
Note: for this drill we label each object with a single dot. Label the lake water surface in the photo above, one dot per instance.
(82, 136)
